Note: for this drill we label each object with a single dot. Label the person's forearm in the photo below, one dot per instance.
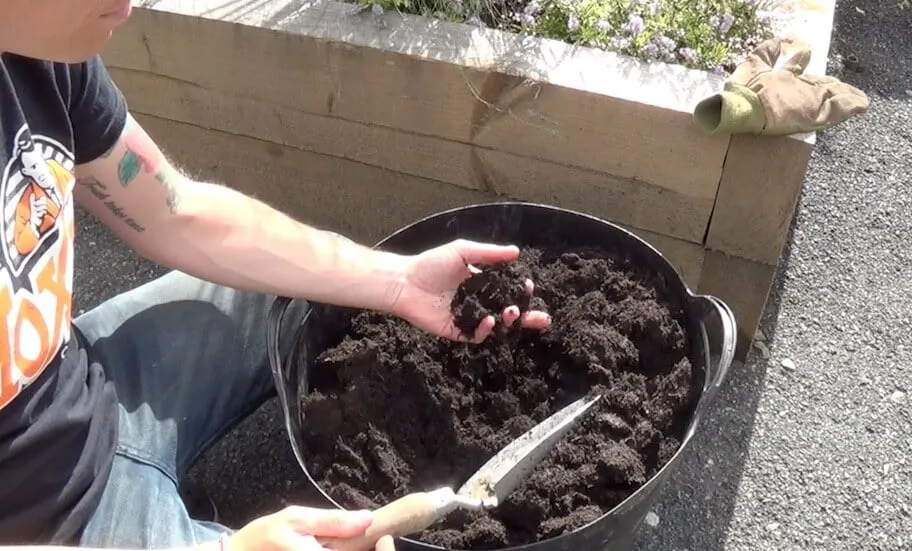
(223, 236)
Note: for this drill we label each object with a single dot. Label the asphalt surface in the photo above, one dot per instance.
(808, 449)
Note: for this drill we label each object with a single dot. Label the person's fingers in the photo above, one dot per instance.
(304, 543)
(535, 319)
(510, 315)
(328, 522)
(386, 543)
(473, 252)
(530, 287)
(484, 329)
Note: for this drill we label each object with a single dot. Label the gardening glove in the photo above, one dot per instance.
(769, 95)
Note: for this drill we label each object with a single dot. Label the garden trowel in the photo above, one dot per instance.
(486, 489)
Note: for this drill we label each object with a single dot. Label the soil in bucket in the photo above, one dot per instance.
(395, 410)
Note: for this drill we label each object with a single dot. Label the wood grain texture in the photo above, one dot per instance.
(744, 286)
(363, 202)
(675, 213)
(761, 182)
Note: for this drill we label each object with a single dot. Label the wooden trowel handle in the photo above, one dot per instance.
(407, 515)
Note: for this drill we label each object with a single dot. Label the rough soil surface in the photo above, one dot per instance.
(395, 410)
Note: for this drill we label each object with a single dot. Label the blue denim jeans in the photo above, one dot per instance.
(188, 360)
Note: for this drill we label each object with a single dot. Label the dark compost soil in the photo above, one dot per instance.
(394, 410)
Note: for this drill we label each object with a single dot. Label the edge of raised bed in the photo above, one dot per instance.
(540, 59)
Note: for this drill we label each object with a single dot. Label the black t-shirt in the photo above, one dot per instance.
(58, 414)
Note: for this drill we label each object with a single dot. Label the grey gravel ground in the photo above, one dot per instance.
(809, 449)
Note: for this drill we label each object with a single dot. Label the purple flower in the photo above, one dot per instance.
(603, 25)
(688, 54)
(664, 43)
(526, 17)
(634, 25)
(719, 70)
(620, 43)
(651, 51)
(573, 23)
(723, 23)
(660, 48)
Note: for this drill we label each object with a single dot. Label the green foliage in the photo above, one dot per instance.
(702, 34)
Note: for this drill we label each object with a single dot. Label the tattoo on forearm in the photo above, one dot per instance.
(100, 192)
(129, 167)
(135, 161)
(171, 197)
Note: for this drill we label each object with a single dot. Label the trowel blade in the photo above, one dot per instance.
(497, 478)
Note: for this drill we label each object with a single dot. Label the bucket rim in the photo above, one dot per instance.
(547, 207)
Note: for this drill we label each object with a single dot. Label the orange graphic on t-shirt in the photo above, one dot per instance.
(37, 268)
(38, 208)
(21, 313)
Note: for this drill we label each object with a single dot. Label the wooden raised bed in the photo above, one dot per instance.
(362, 125)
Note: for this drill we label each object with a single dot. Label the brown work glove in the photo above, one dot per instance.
(769, 94)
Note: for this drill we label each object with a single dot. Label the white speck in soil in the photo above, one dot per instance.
(652, 519)
(788, 365)
(772, 527)
(897, 396)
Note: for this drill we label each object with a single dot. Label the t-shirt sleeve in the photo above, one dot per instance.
(98, 110)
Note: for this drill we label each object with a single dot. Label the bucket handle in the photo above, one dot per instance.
(274, 353)
(721, 338)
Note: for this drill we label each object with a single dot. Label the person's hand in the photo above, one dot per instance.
(297, 529)
(431, 281)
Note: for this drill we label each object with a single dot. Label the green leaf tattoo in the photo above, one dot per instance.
(128, 168)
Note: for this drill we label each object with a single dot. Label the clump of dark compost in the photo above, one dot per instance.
(488, 293)
(395, 410)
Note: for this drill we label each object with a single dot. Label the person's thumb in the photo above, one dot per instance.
(328, 522)
(473, 252)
